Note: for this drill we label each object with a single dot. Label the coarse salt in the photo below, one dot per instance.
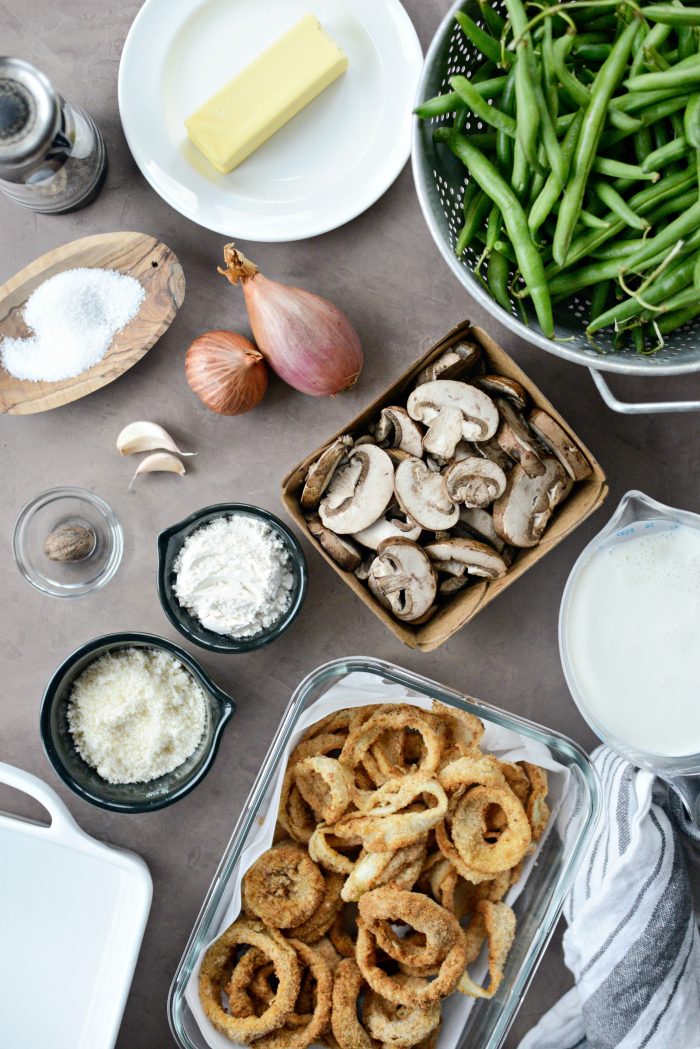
(73, 316)
(234, 575)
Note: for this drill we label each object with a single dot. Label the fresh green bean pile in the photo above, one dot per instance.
(589, 180)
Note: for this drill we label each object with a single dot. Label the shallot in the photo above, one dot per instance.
(226, 372)
(305, 339)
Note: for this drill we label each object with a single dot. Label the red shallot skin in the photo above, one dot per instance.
(305, 339)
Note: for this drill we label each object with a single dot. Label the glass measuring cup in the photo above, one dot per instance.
(636, 515)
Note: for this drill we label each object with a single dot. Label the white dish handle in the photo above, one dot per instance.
(62, 823)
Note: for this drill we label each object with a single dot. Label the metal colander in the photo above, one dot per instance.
(441, 181)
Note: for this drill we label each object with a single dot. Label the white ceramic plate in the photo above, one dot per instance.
(327, 165)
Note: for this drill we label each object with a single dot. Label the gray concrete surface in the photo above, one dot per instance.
(384, 270)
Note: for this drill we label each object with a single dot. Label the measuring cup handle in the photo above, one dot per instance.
(645, 408)
(684, 804)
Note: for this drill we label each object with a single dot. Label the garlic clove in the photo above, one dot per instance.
(159, 462)
(146, 437)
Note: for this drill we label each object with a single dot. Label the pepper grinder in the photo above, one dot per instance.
(52, 156)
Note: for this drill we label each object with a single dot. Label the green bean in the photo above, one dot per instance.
(499, 278)
(481, 40)
(493, 227)
(599, 299)
(593, 52)
(529, 260)
(542, 207)
(643, 144)
(677, 128)
(672, 151)
(592, 221)
(696, 271)
(691, 122)
(675, 231)
(673, 16)
(441, 105)
(605, 84)
(527, 109)
(504, 143)
(678, 318)
(659, 135)
(552, 149)
(520, 176)
(549, 73)
(688, 296)
(618, 249)
(480, 108)
(578, 92)
(665, 285)
(619, 169)
(618, 205)
(492, 18)
(674, 206)
(676, 78)
(654, 39)
(505, 248)
(474, 218)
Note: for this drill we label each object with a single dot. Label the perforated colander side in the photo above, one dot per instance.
(441, 182)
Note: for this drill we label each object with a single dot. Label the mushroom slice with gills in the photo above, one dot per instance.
(403, 579)
(362, 570)
(478, 558)
(422, 495)
(459, 360)
(397, 455)
(500, 386)
(452, 585)
(518, 441)
(366, 438)
(474, 482)
(480, 522)
(521, 514)
(490, 449)
(343, 551)
(390, 525)
(438, 403)
(359, 492)
(397, 427)
(559, 444)
(320, 473)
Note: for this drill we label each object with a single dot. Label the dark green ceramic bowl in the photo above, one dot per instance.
(169, 544)
(81, 777)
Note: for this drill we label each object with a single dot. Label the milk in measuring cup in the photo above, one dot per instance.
(633, 637)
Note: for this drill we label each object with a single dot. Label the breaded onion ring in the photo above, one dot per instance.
(400, 868)
(427, 992)
(536, 807)
(295, 816)
(396, 718)
(495, 922)
(323, 917)
(388, 819)
(214, 973)
(300, 1036)
(457, 777)
(347, 1029)
(322, 851)
(324, 785)
(283, 887)
(399, 1025)
(339, 721)
(469, 827)
(339, 935)
(247, 994)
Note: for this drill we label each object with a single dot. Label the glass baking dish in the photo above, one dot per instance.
(537, 908)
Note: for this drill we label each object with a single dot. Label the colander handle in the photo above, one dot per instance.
(645, 408)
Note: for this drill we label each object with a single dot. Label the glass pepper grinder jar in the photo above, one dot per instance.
(52, 156)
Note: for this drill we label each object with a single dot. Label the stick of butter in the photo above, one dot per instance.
(271, 90)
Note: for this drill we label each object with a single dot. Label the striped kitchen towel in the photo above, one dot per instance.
(632, 943)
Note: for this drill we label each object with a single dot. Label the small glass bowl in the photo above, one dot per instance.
(84, 780)
(170, 543)
(58, 508)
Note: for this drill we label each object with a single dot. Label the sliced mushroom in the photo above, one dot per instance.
(359, 492)
(559, 444)
(490, 449)
(391, 524)
(397, 455)
(500, 386)
(397, 428)
(452, 410)
(319, 473)
(474, 481)
(480, 523)
(423, 496)
(476, 558)
(343, 551)
(436, 463)
(459, 360)
(362, 570)
(366, 438)
(402, 578)
(518, 441)
(452, 585)
(521, 514)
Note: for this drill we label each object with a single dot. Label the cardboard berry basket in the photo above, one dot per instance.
(458, 609)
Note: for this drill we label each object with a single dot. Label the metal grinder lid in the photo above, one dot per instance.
(29, 116)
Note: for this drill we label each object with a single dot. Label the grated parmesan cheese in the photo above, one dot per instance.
(135, 714)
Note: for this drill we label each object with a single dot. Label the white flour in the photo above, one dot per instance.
(234, 575)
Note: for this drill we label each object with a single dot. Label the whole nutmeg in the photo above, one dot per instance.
(70, 543)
